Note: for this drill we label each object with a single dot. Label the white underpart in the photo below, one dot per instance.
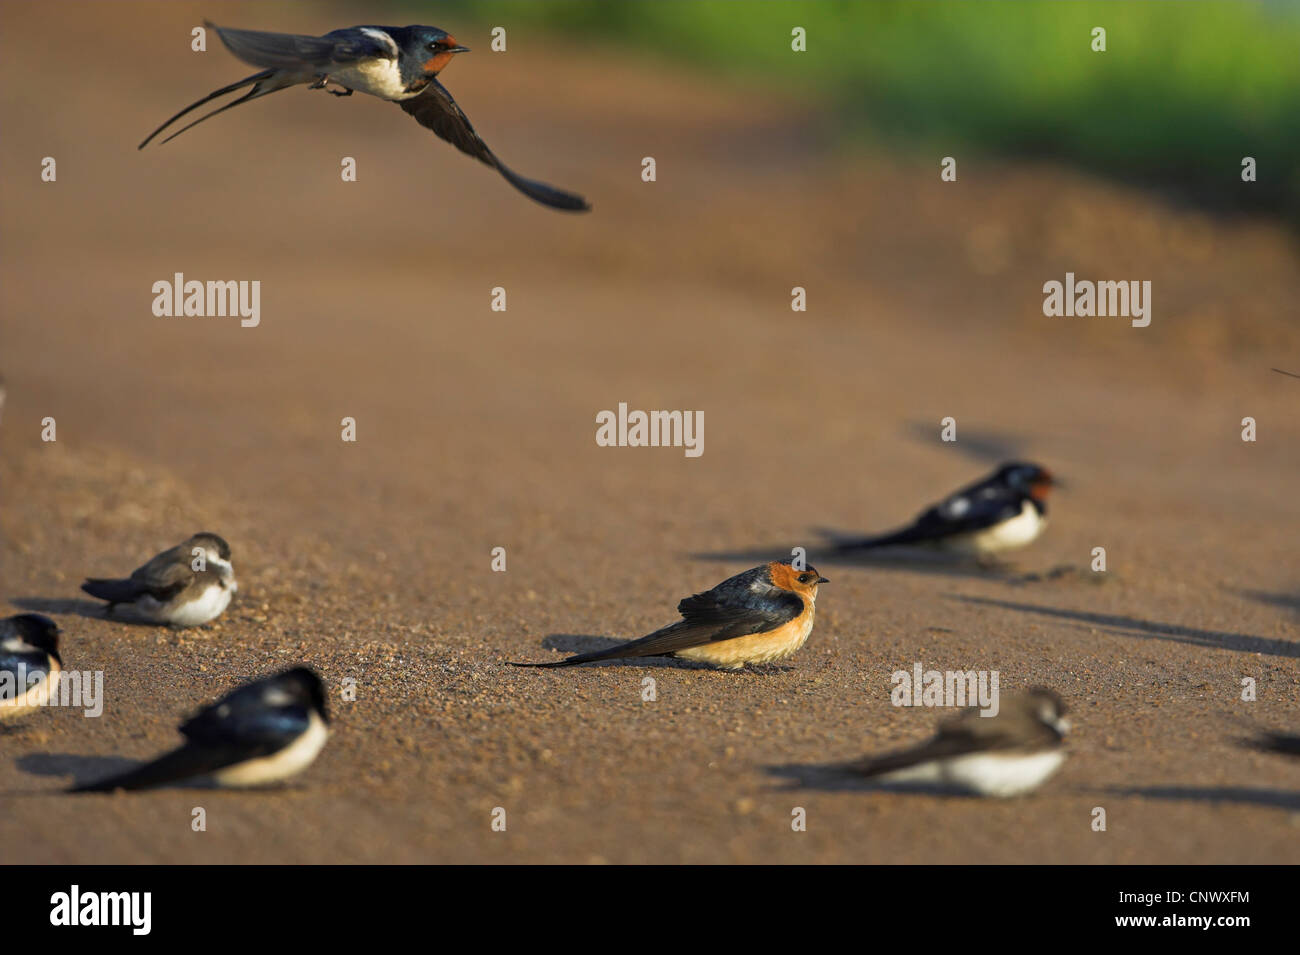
(224, 568)
(280, 765)
(986, 774)
(376, 76)
(193, 613)
(1014, 532)
(37, 694)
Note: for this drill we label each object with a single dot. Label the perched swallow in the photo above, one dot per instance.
(398, 64)
(169, 590)
(29, 663)
(762, 615)
(1003, 755)
(1004, 511)
(1282, 743)
(261, 733)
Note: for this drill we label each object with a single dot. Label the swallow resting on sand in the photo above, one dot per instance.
(261, 733)
(398, 64)
(1003, 755)
(1004, 511)
(185, 587)
(762, 615)
(29, 663)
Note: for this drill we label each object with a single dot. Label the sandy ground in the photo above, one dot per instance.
(476, 430)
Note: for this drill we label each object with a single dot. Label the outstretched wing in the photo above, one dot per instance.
(435, 109)
(294, 51)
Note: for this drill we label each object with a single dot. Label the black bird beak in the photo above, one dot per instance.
(459, 49)
(822, 580)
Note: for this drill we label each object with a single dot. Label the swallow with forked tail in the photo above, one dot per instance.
(1003, 755)
(186, 586)
(29, 663)
(261, 733)
(762, 615)
(1004, 511)
(397, 64)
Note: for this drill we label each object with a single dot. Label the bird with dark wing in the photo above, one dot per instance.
(397, 64)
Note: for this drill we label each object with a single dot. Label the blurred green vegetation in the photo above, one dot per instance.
(1182, 93)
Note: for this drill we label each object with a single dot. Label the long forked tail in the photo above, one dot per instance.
(547, 195)
(255, 81)
(611, 653)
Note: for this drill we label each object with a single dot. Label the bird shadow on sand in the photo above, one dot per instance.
(65, 606)
(917, 560)
(82, 769)
(89, 769)
(987, 447)
(1239, 795)
(1148, 629)
(833, 778)
(1286, 601)
(83, 608)
(584, 643)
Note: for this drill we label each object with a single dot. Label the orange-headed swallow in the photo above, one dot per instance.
(1004, 511)
(397, 64)
(762, 615)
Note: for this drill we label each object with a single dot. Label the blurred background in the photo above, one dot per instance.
(1184, 91)
(476, 428)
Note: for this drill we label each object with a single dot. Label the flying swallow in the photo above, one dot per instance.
(1003, 755)
(762, 615)
(261, 733)
(29, 663)
(1006, 510)
(185, 587)
(398, 64)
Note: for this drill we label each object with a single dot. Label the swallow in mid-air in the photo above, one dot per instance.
(1003, 755)
(29, 663)
(398, 64)
(762, 615)
(1006, 510)
(186, 586)
(261, 733)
